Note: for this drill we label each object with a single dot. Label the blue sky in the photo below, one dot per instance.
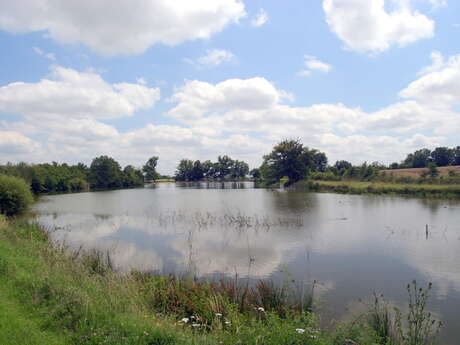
(361, 80)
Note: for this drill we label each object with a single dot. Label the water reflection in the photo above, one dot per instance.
(351, 245)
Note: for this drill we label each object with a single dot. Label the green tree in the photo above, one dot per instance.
(443, 156)
(288, 158)
(184, 170)
(105, 172)
(418, 159)
(433, 169)
(149, 169)
(255, 173)
(223, 166)
(15, 195)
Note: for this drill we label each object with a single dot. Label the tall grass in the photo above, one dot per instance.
(416, 327)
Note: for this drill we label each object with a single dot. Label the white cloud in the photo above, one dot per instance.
(366, 25)
(239, 117)
(49, 56)
(120, 27)
(437, 63)
(15, 143)
(313, 64)
(68, 93)
(260, 19)
(215, 57)
(440, 86)
(196, 98)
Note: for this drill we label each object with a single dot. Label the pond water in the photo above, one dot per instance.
(350, 246)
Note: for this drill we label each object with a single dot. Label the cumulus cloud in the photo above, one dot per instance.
(440, 86)
(70, 93)
(367, 26)
(239, 117)
(260, 19)
(121, 27)
(312, 64)
(197, 98)
(14, 142)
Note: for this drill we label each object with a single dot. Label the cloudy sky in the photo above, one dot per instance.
(361, 80)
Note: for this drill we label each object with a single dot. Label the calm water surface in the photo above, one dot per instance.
(350, 245)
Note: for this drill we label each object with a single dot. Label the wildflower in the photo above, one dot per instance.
(218, 314)
(196, 325)
(145, 333)
(228, 323)
(313, 336)
(185, 320)
(300, 330)
(261, 309)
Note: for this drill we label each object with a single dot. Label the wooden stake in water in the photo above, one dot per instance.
(426, 231)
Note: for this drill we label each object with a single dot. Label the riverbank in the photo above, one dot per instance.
(51, 296)
(382, 188)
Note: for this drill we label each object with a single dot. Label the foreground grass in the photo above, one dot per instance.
(358, 187)
(50, 296)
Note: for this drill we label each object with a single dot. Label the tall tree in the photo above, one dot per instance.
(149, 168)
(288, 158)
(443, 156)
(105, 172)
(418, 159)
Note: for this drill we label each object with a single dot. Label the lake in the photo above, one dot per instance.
(347, 246)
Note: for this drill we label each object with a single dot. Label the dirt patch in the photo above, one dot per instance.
(417, 172)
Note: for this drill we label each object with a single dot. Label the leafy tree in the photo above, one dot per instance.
(132, 177)
(418, 159)
(288, 158)
(255, 173)
(443, 156)
(184, 170)
(340, 167)
(456, 154)
(209, 169)
(320, 160)
(223, 166)
(15, 195)
(197, 172)
(433, 169)
(239, 170)
(105, 172)
(149, 169)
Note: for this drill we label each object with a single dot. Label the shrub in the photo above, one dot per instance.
(15, 195)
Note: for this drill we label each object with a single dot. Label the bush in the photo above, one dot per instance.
(15, 195)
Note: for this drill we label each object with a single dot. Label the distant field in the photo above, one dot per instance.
(416, 172)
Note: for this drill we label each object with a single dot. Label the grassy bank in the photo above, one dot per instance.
(50, 296)
(358, 187)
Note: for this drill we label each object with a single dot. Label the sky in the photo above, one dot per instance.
(361, 80)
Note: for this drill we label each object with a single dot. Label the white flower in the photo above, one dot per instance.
(228, 323)
(300, 330)
(261, 309)
(196, 325)
(185, 320)
(218, 314)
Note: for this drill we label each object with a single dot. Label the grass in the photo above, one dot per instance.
(358, 187)
(49, 295)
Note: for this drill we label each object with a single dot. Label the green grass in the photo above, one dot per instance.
(358, 187)
(51, 296)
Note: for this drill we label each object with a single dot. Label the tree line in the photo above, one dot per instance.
(288, 159)
(103, 173)
(441, 156)
(225, 168)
